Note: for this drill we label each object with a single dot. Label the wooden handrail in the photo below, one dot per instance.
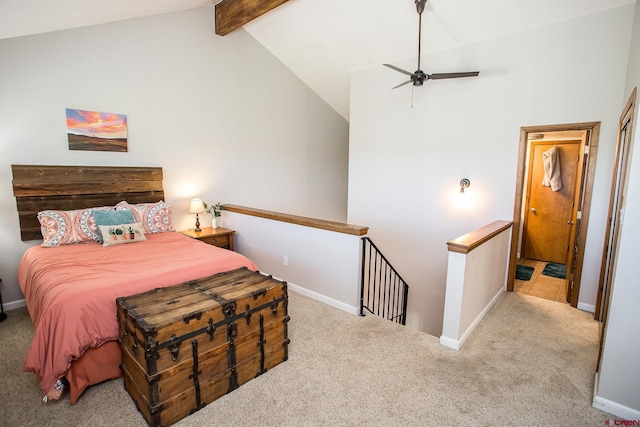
(339, 227)
(470, 241)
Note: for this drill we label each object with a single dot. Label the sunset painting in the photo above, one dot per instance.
(93, 131)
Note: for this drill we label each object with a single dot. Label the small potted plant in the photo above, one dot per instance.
(112, 233)
(214, 210)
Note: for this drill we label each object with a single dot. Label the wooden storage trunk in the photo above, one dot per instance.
(186, 345)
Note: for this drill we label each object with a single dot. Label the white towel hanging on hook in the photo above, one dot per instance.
(552, 175)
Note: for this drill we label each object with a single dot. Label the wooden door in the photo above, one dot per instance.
(549, 215)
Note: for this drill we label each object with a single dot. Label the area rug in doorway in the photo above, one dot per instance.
(524, 272)
(555, 270)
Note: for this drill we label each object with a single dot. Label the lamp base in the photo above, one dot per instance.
(197, 223)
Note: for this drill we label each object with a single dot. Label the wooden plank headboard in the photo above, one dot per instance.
(38, 188)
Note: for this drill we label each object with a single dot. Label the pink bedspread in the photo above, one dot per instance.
(71, 290)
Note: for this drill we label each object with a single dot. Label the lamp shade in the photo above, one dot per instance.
(196, 206)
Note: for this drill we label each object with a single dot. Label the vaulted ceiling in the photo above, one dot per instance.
(323, 41)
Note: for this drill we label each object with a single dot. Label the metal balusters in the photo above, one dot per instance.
(383, 292)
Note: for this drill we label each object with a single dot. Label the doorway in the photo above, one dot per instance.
(550, 226)
(615, 214)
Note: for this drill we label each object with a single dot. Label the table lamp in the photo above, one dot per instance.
(196, 207)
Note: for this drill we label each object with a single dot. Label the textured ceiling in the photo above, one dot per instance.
(322, 41)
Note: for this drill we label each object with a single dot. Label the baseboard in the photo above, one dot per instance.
(457, 344)
(586, 307)
(322, 298)
(14, 304)
(296, 288)
(450, 342)
(613, 408)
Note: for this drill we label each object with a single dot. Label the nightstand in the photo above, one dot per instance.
(221, 237)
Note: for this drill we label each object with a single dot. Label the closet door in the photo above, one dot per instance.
(618, 186)
(616, 211)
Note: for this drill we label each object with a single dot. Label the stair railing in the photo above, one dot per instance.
(382, 291)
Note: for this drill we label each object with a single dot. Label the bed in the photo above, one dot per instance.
(70, 289)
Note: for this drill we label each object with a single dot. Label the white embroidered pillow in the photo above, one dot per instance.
(122, 233)
(155, 217)
(69, 227)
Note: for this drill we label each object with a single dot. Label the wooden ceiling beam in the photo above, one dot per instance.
(233, 14)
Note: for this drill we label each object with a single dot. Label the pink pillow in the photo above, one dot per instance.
(69, 227)
(155, 217)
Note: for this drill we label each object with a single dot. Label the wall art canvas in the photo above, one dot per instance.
(94, 131)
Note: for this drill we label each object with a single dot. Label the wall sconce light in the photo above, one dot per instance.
(464, 183)
(196, 207)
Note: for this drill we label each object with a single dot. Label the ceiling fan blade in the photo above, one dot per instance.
(440, 76)
(398, 69)
(402, 84)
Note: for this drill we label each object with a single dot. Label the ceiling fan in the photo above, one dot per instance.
(418, 77)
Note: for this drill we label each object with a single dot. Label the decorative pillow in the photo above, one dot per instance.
(122, 233)
(155, 217)
(68, 227)
(124, 216)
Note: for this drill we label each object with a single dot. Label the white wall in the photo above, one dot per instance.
(405, 162)
(324, 265)
(475, 282)
(225, 119)
(618, 389)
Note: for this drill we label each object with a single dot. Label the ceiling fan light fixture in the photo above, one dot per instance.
(419, 77)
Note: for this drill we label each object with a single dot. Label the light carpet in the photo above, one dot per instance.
(530, 362)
